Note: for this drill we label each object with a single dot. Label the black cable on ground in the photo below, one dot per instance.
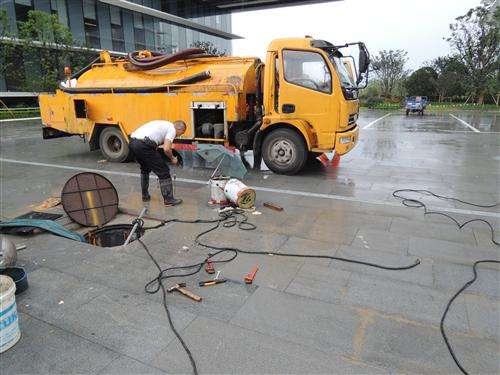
(415, 203)
(448, 305)
(228, 219)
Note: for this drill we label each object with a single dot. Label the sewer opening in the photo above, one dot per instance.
(112, 235)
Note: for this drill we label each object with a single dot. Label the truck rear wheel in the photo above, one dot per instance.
(284, 151)
(114, 146)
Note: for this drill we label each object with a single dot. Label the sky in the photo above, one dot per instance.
(417, 26)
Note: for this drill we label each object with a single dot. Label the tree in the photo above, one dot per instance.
(389, 67)
(451, 75)
(35, 60)
(208, 47)
(422, 82)
(475, 39)
(9, 54)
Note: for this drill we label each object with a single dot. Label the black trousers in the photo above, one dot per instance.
(149, 159)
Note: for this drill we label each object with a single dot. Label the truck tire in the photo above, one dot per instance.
(407, 112)
(114, 146)
(284, 151)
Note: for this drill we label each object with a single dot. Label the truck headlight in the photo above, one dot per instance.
(344, 140)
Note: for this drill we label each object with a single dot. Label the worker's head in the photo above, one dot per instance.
(180, 127)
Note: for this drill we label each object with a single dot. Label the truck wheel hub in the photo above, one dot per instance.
(114, 144)
(282, 152)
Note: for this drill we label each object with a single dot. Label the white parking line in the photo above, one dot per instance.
(20, 119)
(464, 123)
(257, 188)
(375, 121)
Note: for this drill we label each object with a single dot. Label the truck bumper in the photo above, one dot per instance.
(345, 141)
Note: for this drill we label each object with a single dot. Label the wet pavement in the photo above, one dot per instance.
(86, 310)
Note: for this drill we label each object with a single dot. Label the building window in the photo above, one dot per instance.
(139, 33)
(92, 37)
(117, 36)
(59, 8)
(22, 7)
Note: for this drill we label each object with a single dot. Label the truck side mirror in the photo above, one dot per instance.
(364, 59)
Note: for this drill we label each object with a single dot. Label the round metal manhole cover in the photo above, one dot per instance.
(90, 199)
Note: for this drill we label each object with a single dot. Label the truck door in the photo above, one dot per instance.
(305, 92)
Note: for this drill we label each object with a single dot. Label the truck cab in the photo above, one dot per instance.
(310, 102)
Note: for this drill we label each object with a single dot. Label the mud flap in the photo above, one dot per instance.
(257, 150)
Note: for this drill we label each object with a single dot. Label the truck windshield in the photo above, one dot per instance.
(344, 76)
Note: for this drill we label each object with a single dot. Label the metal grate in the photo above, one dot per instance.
(90, 199)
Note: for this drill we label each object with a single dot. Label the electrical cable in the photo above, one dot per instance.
(448, 305)
(415, 203)
(230, 218)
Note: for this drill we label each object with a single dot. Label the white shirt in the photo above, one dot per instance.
(156, 130)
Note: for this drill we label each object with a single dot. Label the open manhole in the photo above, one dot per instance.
(112, 235)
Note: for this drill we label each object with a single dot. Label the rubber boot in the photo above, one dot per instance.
(167, 190)
(145, 187)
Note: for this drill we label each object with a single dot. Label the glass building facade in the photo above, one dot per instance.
(97, 24)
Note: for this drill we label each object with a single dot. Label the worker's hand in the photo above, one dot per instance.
(174, 160)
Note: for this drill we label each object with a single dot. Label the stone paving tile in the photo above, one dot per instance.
(125, 365)
(52, 251)
(221, 301)
(227, 349)
(483, 237)
(449, 251)
(117, 269)
(129, 325)
(452, 277)
(274, 272)
(412, 302)
(381, 240)
(320, 282)
(47, 349)
(484, 316)
(316, 324)
(401, 348)
(432, 230)
(422, 274)
(296, 245)
(52, 293)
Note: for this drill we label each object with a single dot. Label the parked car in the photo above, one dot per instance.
(416, 104)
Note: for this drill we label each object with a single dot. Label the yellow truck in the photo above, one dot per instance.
(302, 101)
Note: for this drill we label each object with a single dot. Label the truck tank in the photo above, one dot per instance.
(115, 93)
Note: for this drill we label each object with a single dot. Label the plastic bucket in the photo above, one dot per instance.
(217, 194)
(9, 323)
(240, 194)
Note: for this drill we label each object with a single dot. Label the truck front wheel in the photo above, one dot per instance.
(284, 151)
(114, 146)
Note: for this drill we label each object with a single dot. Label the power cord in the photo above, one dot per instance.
(415, 203)
(229, 218)
(448, 305)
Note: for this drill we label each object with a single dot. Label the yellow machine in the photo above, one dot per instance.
(302, 101)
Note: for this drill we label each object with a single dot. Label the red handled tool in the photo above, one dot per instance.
(209, 267)
(249, 278)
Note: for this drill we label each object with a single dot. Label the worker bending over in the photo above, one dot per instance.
(144, 144)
